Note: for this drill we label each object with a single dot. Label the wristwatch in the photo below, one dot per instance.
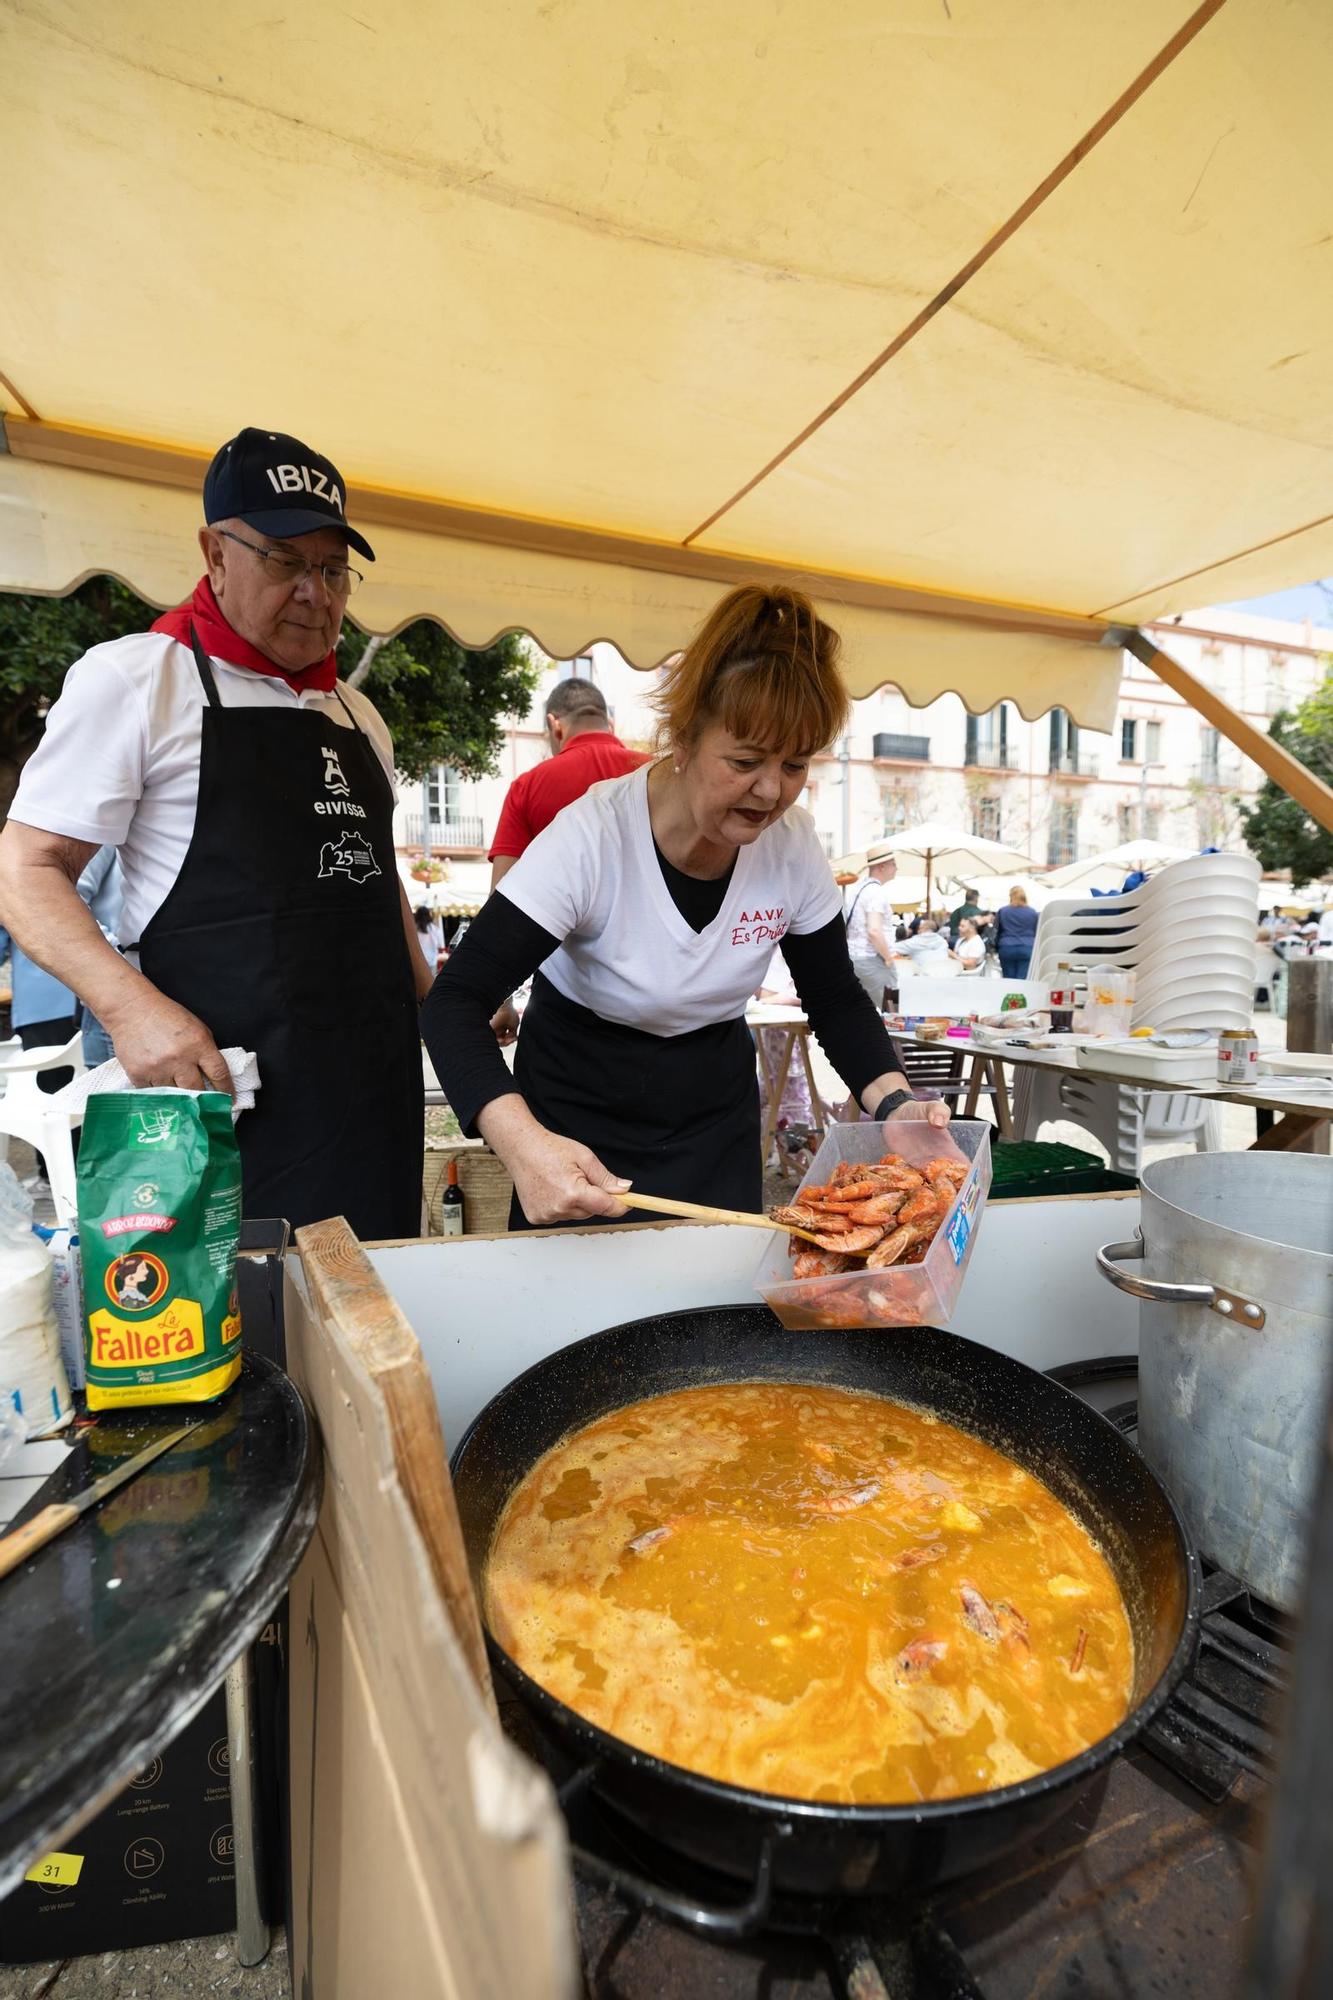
(888, 1105)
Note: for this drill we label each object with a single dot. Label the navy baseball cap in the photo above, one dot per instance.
(278, 485)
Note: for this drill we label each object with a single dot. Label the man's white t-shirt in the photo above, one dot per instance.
(119, 762)
(970, 950)
(593, 879)
(869, 899)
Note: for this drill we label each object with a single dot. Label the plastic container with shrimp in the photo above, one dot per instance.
(923, 1294)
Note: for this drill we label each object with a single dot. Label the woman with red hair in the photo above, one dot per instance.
(648, 911)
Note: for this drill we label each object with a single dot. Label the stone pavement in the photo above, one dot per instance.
(155, 1972)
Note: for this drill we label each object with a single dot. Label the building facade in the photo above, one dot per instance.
(1046, 787)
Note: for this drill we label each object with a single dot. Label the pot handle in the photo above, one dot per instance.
(732, 1921)
(1229, 1305)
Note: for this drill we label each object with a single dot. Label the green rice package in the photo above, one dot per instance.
(159, 1221)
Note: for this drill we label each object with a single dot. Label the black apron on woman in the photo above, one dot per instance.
(284, 933)
(676, 1114)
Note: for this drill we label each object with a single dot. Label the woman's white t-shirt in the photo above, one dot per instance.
(593, 879)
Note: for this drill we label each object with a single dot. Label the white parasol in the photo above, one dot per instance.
(948, 850)
(1109, 869)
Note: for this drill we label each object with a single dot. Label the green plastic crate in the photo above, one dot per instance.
(1040, 1166)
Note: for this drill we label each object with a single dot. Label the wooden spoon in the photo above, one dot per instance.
(697, 1211)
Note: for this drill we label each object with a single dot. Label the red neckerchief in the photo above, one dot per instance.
(223, 642)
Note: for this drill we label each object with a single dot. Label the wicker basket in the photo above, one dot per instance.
(485, 1182)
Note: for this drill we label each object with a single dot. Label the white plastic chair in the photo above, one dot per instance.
(1122, 1117)
(32, 1115)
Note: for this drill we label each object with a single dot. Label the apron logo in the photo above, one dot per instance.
(350, 856)
(334, 781)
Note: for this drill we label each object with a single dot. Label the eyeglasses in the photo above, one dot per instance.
(340, 579)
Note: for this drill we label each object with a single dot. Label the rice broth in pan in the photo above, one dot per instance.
(813, 1592)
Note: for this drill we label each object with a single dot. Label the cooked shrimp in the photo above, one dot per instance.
(955, 1170)
(919, 1657)
(879, 1208)
(854, 1244)
(796, 1215)
(977, 1613)
(891, 1248)
(920, 1206)
(928, 1552)
(819, 1264)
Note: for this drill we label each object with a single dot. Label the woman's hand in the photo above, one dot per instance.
(933, 1109)
(558, 1180)
(555, 1179)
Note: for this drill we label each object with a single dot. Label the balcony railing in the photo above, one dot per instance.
(1074, 764)
(1226, 777)
(990, 757)
(891, 748)
(459, 830)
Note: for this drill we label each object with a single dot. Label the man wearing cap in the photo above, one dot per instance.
(584, 750)
(251, 800)
(870, 927)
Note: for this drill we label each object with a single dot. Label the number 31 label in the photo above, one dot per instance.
(56, 1869)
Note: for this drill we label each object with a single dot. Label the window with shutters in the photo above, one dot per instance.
(986, 818)
(1062, 844)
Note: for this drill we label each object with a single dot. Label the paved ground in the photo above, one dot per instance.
(158, 1972)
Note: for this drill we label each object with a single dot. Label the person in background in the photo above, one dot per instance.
(251, 799)
(584, 750)
(1015, 931)
(928, 948)
(969, 907)
(870, 929)
(430, 935)
(969, 951)
(796, 1112)
(1326, 929)
(102, 890)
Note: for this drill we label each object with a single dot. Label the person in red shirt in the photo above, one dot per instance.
(584, 750)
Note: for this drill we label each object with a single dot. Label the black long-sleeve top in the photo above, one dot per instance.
(503, 947)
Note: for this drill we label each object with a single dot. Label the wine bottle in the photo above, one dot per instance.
(451, 1203)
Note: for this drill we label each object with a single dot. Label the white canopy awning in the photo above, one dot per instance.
(994, 321)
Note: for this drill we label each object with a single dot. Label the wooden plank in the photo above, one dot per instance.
(1287, 1134)
(347, 1292)
(429, 1856)
(1309, 792)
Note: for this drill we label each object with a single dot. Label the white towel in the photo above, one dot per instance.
(243, 1064)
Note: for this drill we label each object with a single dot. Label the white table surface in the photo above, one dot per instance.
(1270, 1093)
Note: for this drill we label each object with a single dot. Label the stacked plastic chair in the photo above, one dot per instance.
(1188, 934)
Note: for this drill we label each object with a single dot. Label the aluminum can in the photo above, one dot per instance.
(1237, 1058)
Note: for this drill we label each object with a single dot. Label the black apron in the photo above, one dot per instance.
(284, 933)
(676, 1114)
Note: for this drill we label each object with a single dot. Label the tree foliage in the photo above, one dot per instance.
(444, 703)
(40, 639)
(1277, 830)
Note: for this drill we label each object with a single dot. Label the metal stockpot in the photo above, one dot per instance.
(1235, 1348)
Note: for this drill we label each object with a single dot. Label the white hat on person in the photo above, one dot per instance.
(882, 850)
